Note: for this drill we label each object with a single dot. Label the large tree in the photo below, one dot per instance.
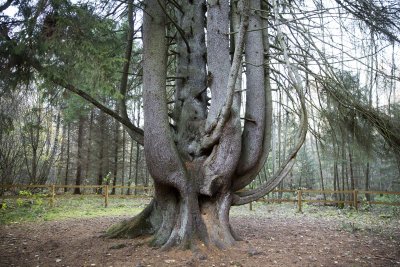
(202, 63)
(201, 156)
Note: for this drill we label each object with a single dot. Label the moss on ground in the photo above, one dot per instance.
(28, 209)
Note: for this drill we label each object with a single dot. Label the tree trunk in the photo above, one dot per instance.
(320, 168)
(128, 192)
(60, 161)
(367, 173)
(198, 164)
(102, 125)
(68, 156)
(116, 150)
(351, 169)
(79, 162)
(136, 168)
(89, 145)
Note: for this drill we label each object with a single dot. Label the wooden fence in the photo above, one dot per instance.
(104, 189)
(353, 197)
(298, 197)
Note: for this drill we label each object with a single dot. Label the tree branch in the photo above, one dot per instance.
(244, 177)
(254, 133)
(127, 60)
(6, 5)
(301, 136)
(214, 129)
(369, 20)
(135, 132)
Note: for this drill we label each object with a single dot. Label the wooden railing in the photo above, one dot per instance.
(299, 196)
(353, 199)
(105, 189)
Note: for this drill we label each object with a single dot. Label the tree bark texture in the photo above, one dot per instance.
(200, 163)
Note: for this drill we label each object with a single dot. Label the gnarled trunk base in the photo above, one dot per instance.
(185, 222)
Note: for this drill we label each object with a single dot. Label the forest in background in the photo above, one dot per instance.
(350, 72)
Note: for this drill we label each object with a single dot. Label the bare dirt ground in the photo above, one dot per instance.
(271, 238)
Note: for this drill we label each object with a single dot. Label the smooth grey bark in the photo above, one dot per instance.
(254, 126)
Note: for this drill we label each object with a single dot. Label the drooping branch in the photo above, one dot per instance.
(252, 195)
(215, 125)
(135, 132)
(384, 124)
(249, 196)
(374, 16)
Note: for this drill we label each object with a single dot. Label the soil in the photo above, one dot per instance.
(270, 239)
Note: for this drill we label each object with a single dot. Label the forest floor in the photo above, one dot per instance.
(273, 235)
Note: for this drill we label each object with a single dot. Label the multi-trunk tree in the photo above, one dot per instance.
(206, 70)
(201, 156)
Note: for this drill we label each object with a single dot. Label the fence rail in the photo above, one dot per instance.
(354, 199)
(299, 196)
(105, 190)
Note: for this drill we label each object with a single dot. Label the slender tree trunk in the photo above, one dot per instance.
(116, 151)
(367, 173)
(89, 145)
(62, 151)
(123, 161)
(51, 155)
(336, 185)
(280, 186)
(68, 156)
(100, 173)
(130, 168)
(351, 170)
(320, 168)
(79, 162)
(136, 167)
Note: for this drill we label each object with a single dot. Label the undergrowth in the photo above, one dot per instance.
(28, 207)
(34, 208)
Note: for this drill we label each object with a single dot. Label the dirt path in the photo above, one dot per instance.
(269, 240)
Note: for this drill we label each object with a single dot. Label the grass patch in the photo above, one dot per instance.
(29, 209)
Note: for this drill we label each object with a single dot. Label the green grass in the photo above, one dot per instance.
(31, 209)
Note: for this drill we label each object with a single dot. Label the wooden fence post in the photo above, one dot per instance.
(299, 198)
(106, 196)
(355, 199)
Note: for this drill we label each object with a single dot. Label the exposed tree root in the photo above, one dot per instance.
(137, 226)
(182, 224)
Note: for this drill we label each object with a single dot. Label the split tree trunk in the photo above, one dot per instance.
(199, 164)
